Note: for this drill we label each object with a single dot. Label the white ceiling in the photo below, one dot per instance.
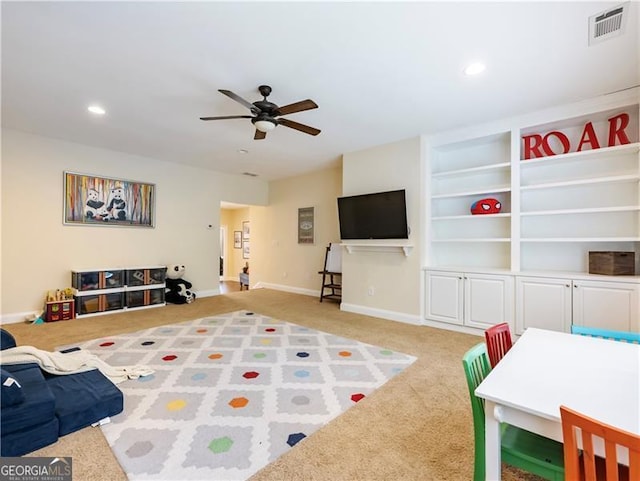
(379, 72)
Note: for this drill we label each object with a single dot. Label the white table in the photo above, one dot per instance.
(544, 369)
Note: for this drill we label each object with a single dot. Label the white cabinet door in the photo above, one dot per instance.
(606, 305)
(544, 303)
(444, 297)
(488, 300)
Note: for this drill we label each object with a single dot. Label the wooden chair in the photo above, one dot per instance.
(632, 337)
(583, 464)
(498, 340)
(520, 448)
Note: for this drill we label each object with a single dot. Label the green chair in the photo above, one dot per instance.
(522, 449)
(631, 337)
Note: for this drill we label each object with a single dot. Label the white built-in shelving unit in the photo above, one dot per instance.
(555, 209)
(462, 173)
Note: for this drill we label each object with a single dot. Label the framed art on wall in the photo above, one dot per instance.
(237, 239)
(306, 225)
(245, 249)
(105, 201)
(245, 230)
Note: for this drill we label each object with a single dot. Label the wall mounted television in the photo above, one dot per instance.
(380, 215)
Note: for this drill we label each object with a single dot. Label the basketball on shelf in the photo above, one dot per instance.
(486, 206)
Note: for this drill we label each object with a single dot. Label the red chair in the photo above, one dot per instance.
(498, 339)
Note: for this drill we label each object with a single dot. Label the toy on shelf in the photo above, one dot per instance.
(488, 205)
(59, 306)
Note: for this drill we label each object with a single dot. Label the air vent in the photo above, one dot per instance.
(607, 24)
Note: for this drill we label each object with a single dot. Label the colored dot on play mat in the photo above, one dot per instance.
(259, 355)
(270, 329)
(250, 375)
(170, 357)
(147, 343)
(302, 373)
(344, 354)
(139, 449)
(220, 445)
(201, 331)
(295, 438)
(215, 355)
(199, 376)
(357, 397)
(265, 341)
(386, 352)
(238, 402)
(300, 400)
(302, 354)
(176, 405)
(107, 344)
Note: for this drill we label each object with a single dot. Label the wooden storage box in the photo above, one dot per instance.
(612, 263)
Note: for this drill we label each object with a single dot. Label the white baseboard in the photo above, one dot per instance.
(207, 293)
(18, 317)
(294, 290)
(453, 327)
(22, 316)
(382, 313)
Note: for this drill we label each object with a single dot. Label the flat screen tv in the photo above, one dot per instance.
(381, 215)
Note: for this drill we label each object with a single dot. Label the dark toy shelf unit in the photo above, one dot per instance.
(102, 291)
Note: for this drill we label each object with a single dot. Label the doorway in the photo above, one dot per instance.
(223, 250)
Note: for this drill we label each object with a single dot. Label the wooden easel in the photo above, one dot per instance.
(332, 274)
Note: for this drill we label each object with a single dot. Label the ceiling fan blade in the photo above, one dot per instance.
(301, 127)
(239, 99)
(259, 135)
(297, 107)
(227, 117)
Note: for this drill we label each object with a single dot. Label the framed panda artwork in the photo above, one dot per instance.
(105, 201)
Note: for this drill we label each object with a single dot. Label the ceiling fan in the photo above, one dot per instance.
(265, 113)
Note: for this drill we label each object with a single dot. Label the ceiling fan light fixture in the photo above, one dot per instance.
(264, 125)
(96, 109)
(474, 68)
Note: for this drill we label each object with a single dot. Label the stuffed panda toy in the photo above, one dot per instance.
(177, 289)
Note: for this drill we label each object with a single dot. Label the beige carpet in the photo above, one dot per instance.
(418, 426)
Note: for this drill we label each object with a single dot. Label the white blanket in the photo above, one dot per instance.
(71, 362)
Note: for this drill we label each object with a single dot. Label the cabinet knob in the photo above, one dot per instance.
(575, 286)
(568, 285)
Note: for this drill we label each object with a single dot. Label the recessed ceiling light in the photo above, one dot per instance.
(96, 109)
(243, 151)
(474, 68)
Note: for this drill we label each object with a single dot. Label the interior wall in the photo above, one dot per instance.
(385, 281)
(277, 259)
(39, 251)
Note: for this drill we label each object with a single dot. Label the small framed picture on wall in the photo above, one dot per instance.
(306, 225)
(237, 239)
(245, 250)
(246, 232)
